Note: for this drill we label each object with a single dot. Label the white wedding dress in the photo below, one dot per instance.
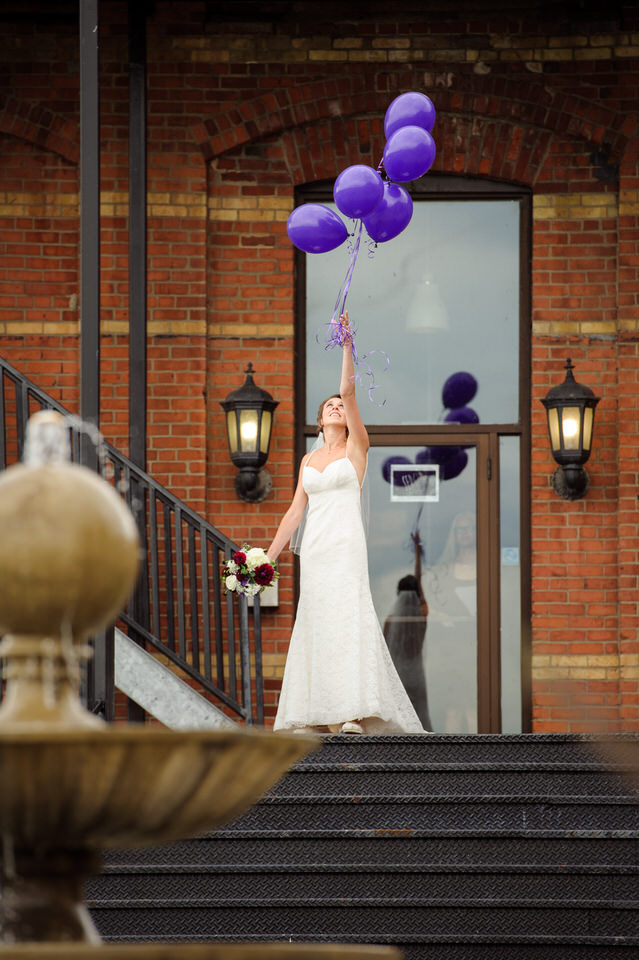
(338, 666)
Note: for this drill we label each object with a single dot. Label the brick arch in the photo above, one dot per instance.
(42, 127)
(491, 126)
(499, 149)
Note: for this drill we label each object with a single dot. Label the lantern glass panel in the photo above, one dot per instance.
(589, 415)
(265, 431)
(248, 431)
(231, 429)
(571, 427)
(553, 428)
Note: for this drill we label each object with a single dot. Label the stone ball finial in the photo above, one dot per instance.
(69, 545)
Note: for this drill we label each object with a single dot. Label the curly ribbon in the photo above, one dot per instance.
(338, 336)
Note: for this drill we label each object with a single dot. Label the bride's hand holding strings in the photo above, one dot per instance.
(345, 324)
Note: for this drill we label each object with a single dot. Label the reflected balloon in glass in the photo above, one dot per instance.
(387, 464)
(459, 389)
(461, 415)
(439, 455)
(452, 468)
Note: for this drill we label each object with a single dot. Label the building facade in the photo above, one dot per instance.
(250, 113)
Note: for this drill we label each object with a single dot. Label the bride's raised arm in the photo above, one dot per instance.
(358, 443)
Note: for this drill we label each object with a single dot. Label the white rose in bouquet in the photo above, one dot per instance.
(254, 557)
(231, 582)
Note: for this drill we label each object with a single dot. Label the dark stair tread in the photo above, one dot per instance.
(370, 766)
(377, 902)
(373, 920)
(600, 746)
(396, 939)
(426, 798)
(497, 867)
(523, 833)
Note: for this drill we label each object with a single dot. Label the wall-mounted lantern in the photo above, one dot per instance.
(570, 409)
(249, 419)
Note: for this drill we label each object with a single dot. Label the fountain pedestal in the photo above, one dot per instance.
(71, 785)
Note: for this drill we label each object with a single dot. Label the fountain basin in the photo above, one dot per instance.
(199, 951)
(128, 786)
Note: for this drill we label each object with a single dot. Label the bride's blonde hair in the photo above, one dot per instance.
(321, 410)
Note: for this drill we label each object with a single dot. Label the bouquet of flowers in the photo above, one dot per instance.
(248, 571)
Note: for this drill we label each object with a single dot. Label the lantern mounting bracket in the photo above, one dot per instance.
(253, 486)
(570, 484)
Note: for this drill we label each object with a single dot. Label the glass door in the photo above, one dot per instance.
(429, 527)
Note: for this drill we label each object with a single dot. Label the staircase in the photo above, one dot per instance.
(182, 651)
(470, 848)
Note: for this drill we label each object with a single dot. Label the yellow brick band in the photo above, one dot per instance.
(251, 329)
(71, 328)
(575, 206)
(585, 666)
(533, 48)
(628, 202)
(111, 205)
(260, 209)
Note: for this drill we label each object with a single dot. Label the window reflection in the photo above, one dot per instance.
(443, 296)
(451, 586)
(432, 641)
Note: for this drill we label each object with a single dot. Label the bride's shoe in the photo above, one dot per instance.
(351, 726)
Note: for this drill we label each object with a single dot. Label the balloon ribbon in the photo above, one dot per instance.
(338, 336)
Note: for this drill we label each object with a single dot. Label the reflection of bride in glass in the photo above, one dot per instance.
(451, 660)
(405, 632)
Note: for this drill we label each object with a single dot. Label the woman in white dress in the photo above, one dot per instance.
(339, 676)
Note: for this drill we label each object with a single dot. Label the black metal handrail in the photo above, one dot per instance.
(177, 608)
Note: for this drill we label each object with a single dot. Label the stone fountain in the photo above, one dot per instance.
(70, 784)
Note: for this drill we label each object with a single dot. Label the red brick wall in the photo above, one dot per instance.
(238, 116)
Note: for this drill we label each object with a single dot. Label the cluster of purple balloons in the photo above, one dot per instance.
(384, 207)
(457, 392)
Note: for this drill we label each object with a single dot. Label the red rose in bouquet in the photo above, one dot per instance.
(264, 574)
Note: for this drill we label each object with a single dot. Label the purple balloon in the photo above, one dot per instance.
(439, 455)
(408, 154)
(409, 109)
(461, 415)
(459, 389)
(454, 467)
(358, 190)
(391, 216)
(386, 466)
(314, 228)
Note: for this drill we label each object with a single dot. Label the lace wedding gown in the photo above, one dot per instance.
(338, 666)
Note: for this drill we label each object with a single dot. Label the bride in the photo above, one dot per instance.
(339, 676)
